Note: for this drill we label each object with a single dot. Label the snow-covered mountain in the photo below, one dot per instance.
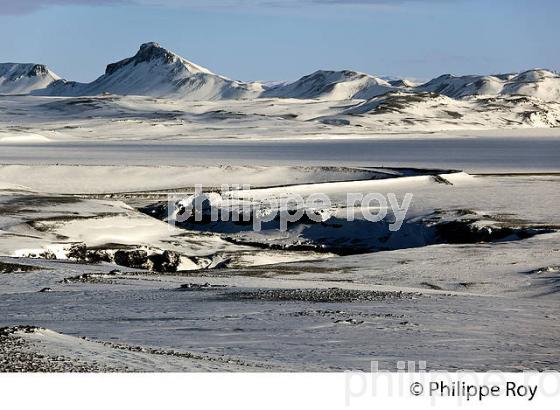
(155, 71)
(335, 85)
(537, 83)
(17, 78)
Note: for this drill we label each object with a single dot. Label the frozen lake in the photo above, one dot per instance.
(484, 154)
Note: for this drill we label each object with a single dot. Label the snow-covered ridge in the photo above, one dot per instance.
(340, 85)
(21, 78)
(336, 85)
(152, 51)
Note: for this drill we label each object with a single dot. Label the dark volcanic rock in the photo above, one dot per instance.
(137, 259)
(6, 267)
(78, 252)
(168, 261)
(98, 256)
(468, 232)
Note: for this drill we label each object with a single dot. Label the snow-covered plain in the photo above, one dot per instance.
(469, 282)
(134, 118)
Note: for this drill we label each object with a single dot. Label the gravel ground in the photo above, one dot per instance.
(319, 295)
(17, 356)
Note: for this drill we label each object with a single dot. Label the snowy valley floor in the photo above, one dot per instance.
(470, 282)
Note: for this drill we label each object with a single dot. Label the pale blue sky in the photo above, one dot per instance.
(283, 40)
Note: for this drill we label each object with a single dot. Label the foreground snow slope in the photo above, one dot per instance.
(126, 358)
(160, 179)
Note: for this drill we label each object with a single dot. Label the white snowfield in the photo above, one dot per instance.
(36, 120)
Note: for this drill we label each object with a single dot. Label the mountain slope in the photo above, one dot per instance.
(541, 84)
(17, 78)
(335, 85)
(155, 71)
(537, 83)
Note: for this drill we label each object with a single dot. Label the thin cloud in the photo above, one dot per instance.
(280, 3)
(22, 7)
(375, 2)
